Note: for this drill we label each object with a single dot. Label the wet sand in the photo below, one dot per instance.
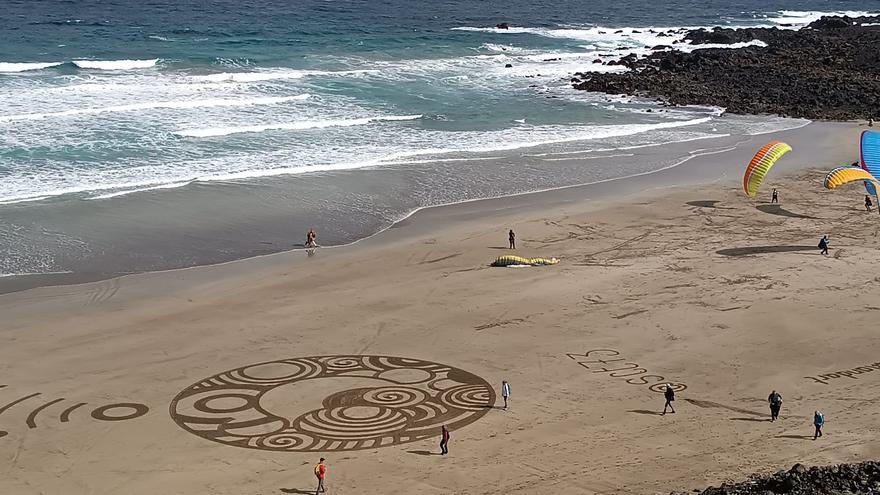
(695, 285)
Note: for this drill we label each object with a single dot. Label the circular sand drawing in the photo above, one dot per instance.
(331, 403)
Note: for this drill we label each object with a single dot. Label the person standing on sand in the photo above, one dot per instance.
(868, 202)
(775, 197)
(311, 239)
(823, 244)
(670, 398)
(775, 401)
(444, 440)
(512, 238)
(505, 392)
(320, 472)
(818, 422)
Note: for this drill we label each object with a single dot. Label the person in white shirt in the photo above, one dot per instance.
(505, 392)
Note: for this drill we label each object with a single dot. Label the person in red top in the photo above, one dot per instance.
(320, 472)
(444, 440)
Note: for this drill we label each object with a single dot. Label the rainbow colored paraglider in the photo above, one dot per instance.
(844, 175)
(765, 158)
(869, 152)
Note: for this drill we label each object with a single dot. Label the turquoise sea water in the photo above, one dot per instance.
(104, 100)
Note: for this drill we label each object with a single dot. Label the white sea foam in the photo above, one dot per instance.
(26, 66)
(245, 77)
(800, 18)
(124, 192)
(206, 103)
(116, 64)
(242, 102)
(289, 126)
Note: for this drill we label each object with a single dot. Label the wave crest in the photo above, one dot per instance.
(116, 64)
(26, 66)
(298, 126)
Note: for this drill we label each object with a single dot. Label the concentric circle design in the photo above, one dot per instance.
(396, 400)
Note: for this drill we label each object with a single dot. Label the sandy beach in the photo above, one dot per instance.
(153, 383)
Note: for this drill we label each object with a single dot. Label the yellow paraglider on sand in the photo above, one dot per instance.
(765, 158)
(844, 175)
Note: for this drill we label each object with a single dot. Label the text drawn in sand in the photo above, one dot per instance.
(609, 361)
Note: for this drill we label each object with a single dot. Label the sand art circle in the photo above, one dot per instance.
(331, 403)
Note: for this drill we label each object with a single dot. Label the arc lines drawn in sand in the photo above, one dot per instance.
(397, 400)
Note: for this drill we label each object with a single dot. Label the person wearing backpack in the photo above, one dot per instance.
(775, 401)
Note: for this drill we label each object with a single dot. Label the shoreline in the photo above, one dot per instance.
(661, 281)
(621, 190)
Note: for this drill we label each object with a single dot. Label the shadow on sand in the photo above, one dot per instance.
(797, 437)
(760, 420)
(645, 411)
(296, 490)
(745, 251)
(775, 209)
(499, 247)
(422, 452)
(706, 203)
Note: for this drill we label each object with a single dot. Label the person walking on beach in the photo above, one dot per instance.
(505, 392)
(818, 422)
(320, 473)
(444, 440)
(311, 239)
(823, 244)
(775, 401)
(512, 238)
(868, 202)
(670, 398)
(775, 197)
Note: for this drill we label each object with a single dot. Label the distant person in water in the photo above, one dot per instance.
(444, 440)
(818, 422)
(505, 392)
(775, 401)
(775, 197)
(512, 238)
(868, 203)
(823, 244)
(670, 398)
(311, 239)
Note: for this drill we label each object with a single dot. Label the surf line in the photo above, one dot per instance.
(596, 360)
(823, 379)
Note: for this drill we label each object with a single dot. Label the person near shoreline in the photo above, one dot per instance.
(444, 440)
(775, 197)
(818, 422)
(868, 202)
(311, 239)
(670, 398)
(512, 238)
(823, 244)
(320, 473)
(505, 392)
(775, 401)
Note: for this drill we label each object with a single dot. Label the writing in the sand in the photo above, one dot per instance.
(609, 361)
(850, 373)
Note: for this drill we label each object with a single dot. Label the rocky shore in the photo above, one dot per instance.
(827, 70)
(842, 479)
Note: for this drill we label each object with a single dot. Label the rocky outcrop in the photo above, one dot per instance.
(863, 478)
(827, 70)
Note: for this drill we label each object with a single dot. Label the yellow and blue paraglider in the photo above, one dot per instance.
(765, 158)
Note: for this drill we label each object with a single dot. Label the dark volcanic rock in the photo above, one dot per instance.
(830, 70)
(842, 479)
(502, 25)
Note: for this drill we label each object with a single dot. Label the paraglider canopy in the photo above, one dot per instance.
(844, 175)
(765, 158)
(869, 152)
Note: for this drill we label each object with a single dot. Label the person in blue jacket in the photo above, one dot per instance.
(818, 422)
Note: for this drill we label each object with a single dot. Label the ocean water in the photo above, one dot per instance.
(324, 111)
